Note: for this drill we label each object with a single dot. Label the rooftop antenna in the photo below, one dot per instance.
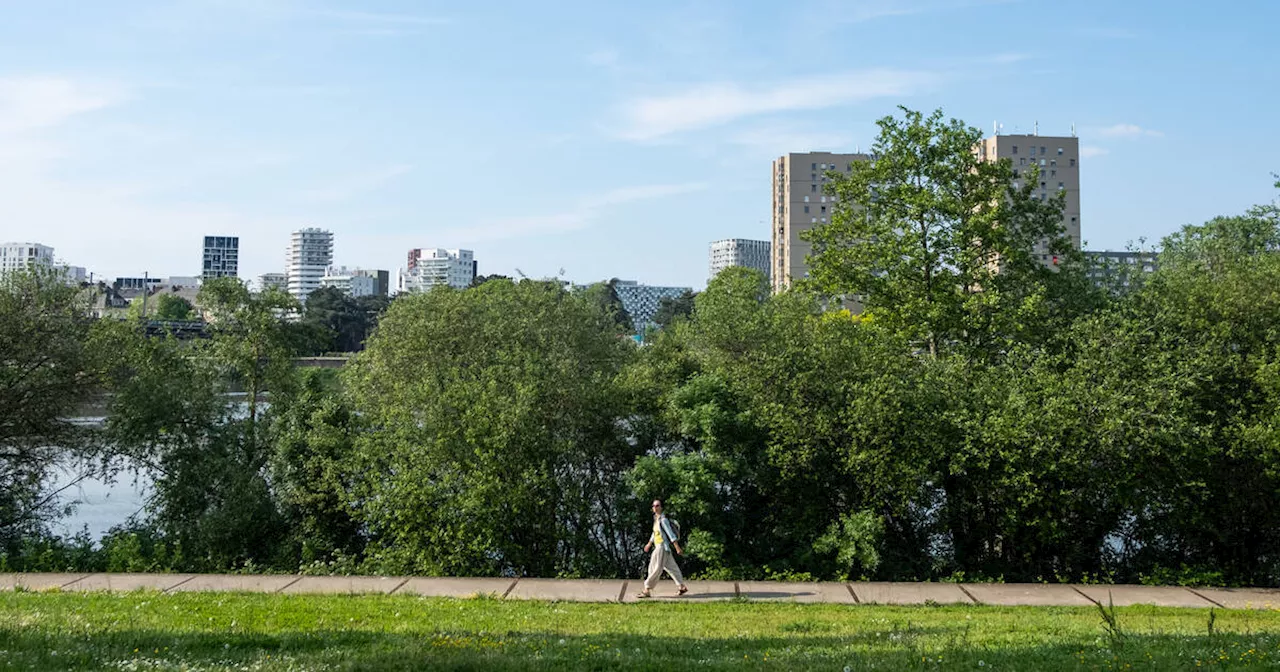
(1037, 127)
(995, 128)
(1073, 129)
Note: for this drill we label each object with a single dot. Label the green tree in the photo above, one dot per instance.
(174, 308)
(249, 340)
(775, 421)
(938, 243)
(48, 373)
(495, 442)
(670, 309)
(312, 471)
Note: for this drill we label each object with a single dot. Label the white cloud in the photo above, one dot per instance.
(714, 104)
(582, 215)
(1126, 131)
(36, 102)
(1089, 151)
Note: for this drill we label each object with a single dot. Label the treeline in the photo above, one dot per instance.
(981, 413)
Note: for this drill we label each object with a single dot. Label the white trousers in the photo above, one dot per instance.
(662, 560)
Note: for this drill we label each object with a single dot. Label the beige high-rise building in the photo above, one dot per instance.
(1059, 161)
(799, 204)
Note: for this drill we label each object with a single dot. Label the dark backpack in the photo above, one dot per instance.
(675, 527)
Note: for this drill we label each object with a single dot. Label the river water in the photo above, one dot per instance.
(99, 505)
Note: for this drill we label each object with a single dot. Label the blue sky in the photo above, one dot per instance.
(608, 139)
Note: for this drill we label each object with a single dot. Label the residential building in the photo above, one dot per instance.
(310, 254)
(428, 267)
(24, 256)
(799, 204)
(356, 282)
(641, 301)
(1058, 159)
(740, 252)
(1120, 270)
(76, 275)
(278, 281)
(221, 257)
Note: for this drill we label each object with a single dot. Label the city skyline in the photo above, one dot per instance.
(608, 141)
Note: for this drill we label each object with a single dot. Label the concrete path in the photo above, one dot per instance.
(616, 590)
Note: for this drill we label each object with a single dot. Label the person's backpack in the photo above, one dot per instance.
(675, 527)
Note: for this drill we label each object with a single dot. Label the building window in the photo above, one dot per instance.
(1053, 162)
(1053, 173)
(806, 199)
(813, 188)
(1043, 151)
(1015, 149)
(1042, 163)
(806, 209)
(1059, 151)
(1022, 161)
(1061, 187)
(813, 167)
(813, 220)
(1073, 162)
(823, 209)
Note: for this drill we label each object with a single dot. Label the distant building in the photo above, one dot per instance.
(221, 257)
(799, 203)
(641, 301)
(740, 252)
(357, 282)
(428, 267)
(75, 275)
(1120, 270)
(269, 280)
(24, 256)
(1058, 158)
(309, 256)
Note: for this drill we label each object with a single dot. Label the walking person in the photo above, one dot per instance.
(664, 540)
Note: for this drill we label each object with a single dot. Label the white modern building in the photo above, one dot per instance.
(428, 267)
(24, 256)
(740, 252)
(221, 257)
(309, 256)
(354, 282)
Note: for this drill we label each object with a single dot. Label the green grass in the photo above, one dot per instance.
(210, 631)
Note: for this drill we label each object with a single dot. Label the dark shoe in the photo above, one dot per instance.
(683, 590)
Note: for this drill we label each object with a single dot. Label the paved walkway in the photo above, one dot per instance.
(617, 590)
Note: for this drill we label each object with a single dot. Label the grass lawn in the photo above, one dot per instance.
(212, 631)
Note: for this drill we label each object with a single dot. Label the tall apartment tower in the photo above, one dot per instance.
(427, 267)
(1059, 161)
(740, 252)
(799, 204)
(310, 255)
(221, 257)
